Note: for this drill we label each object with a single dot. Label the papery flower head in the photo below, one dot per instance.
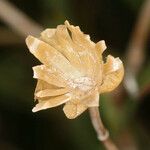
(72, 71)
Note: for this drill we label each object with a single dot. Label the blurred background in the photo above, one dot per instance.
(124, 25)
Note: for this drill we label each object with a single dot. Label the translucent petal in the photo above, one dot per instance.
(86, 50)
(52, 102)
(42, 85)
(51, 92)
(61, 40)
(112, 74)
(100, 47)
(72, 110)
(79, 37)
(51, 57)
(49, 75)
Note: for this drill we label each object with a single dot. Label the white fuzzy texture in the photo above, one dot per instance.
(82, 83)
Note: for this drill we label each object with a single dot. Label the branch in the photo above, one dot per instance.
(102, 132)
(135, 52)
(17, 20)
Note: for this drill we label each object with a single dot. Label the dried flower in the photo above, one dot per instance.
(72, 70)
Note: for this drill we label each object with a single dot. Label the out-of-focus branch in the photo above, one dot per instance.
(135, 51)
(17, 20)
(102, 132)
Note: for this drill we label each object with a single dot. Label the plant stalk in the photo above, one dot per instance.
(102, 132)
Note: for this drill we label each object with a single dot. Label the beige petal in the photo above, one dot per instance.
(100, 47)
(42, 85)
(49, 36)
(72, 110)
(51, 92)
(79, 37)
(51, 57)
(112, 74)
(61, 40)
(45, 90)
(52, 102)
(49, 75)
(86, 50)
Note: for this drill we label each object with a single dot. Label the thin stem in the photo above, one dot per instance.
(102, 132)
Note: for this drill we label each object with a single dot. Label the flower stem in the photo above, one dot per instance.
(102, 132)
